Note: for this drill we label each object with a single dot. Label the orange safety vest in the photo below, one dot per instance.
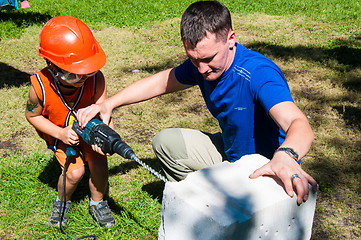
(60, 110)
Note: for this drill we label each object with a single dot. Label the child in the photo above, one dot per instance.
(72, 80)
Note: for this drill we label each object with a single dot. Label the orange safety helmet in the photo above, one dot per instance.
(69, 44)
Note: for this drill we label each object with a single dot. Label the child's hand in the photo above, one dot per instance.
(69, 136)
(99, 150)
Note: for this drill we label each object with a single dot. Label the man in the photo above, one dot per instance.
(244, 90)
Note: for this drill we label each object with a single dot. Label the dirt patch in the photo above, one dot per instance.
(196, 108)
(140, 136)
(8, 146)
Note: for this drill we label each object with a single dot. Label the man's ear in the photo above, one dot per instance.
(231, 39)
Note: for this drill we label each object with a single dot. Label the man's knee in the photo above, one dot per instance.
(159, 139)
(169, 142)
(166, 139)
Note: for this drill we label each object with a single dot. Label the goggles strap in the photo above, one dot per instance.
(55, 77)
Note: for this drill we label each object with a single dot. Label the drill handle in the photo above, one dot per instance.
(98, 133)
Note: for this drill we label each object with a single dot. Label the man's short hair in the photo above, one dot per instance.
(202, 17)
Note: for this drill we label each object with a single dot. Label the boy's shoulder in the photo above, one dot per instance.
(42, 74)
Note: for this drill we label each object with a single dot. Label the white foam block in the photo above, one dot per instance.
(222, 202)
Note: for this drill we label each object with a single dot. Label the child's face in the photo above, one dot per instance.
(72, 79)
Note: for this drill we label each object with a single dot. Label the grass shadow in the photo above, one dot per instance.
(154, 189)
(12, 77)
(339, 180)
(345, 52)
(342, 56)
(351, 115)
(334, 187)
(51, 173)
(24, 19)
(50, 176)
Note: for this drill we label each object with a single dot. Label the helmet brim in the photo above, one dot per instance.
(88, 65)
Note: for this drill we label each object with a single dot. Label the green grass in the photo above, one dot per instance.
(316, 43)
(27, 191)
(136, 14)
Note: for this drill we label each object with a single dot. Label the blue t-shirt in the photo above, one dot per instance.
(240, 100)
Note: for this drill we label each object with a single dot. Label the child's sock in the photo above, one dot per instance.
(67, 202)
(94, 203)
(24, 4)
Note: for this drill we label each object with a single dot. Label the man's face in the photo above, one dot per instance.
(212, 56)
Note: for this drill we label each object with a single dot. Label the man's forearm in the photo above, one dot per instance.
(146, 88)
(299, 137)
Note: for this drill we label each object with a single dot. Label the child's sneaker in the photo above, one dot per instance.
(25, 4)
(102, 214)
(55, 214)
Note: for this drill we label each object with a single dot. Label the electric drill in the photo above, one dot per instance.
(98, 133)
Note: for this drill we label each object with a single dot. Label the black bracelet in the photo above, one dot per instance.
(290, 151)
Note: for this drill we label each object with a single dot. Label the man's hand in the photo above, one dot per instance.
(84, 115)
(283, 167)
(69, 136)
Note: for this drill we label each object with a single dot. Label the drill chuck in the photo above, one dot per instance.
(121, 148)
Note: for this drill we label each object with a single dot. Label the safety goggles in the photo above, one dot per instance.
(72, 77)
